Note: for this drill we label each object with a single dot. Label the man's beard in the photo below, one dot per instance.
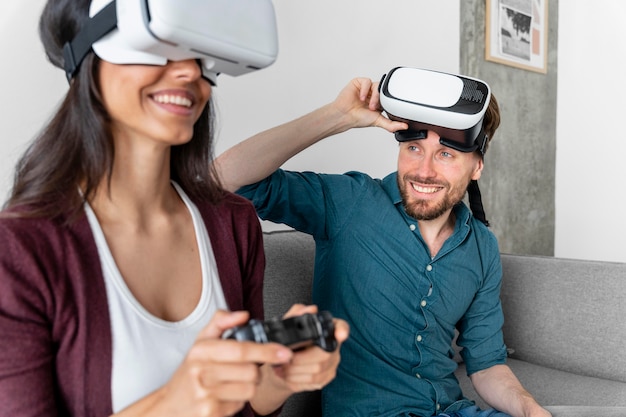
(429, 209)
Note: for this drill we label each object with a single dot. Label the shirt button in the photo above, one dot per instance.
(412, 227)
(438, 406)
(423, 303)
(419, 338)
(429, 268)
(418, 376)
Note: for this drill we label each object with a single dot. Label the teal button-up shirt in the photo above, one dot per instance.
(373, 269)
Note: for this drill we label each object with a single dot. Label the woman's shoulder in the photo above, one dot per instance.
(19, 223)
(49, 254)
(45, 235)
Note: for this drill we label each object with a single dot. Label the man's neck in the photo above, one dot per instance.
(435, 232)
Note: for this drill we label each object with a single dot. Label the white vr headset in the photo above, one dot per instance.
(227, 36)
(453, 106)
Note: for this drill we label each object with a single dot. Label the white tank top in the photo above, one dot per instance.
(146, 349)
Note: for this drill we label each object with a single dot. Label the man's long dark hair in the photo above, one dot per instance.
(75, 149)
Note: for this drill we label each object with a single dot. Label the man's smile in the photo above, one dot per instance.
(426, 189)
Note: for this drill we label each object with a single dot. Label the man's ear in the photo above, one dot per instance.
(478, 170)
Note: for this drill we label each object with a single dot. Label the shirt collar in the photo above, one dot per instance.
(390, 185)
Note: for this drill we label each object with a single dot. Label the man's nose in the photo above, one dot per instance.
(426, 166)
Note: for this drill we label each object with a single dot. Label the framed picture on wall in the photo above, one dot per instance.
(517, 33)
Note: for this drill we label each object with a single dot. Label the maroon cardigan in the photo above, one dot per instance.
(55, 335)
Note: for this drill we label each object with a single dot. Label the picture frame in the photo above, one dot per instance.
(517, 33)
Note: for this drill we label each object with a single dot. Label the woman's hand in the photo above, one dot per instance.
(310, 369)
(217, 377)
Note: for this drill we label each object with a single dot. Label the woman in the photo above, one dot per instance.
(122, 254)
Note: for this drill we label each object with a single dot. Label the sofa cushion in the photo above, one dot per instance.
(568, 411)
(566, 314)
(289, 260)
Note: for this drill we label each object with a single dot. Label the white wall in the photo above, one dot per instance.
(31, 86)
(323, 45)
(591, 138)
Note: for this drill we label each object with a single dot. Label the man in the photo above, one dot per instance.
(402, 259)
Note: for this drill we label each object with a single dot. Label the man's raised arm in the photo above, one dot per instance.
(252, 160)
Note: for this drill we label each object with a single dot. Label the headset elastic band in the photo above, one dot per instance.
(99, 25)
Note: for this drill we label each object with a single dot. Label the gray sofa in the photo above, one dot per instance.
(565, 326)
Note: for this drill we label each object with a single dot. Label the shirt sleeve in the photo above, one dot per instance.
(27, 358)
(480, 329)
(312, 203)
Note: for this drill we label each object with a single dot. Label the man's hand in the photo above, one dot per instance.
(360, 100)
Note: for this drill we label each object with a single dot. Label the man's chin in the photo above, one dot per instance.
(422, 212)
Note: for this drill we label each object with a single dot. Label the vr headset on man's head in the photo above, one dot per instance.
(227, 36)
(451, 105)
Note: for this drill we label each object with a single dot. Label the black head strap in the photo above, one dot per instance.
(476, 202)
(76, 50)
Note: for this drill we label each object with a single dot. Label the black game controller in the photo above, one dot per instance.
(294, 332)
